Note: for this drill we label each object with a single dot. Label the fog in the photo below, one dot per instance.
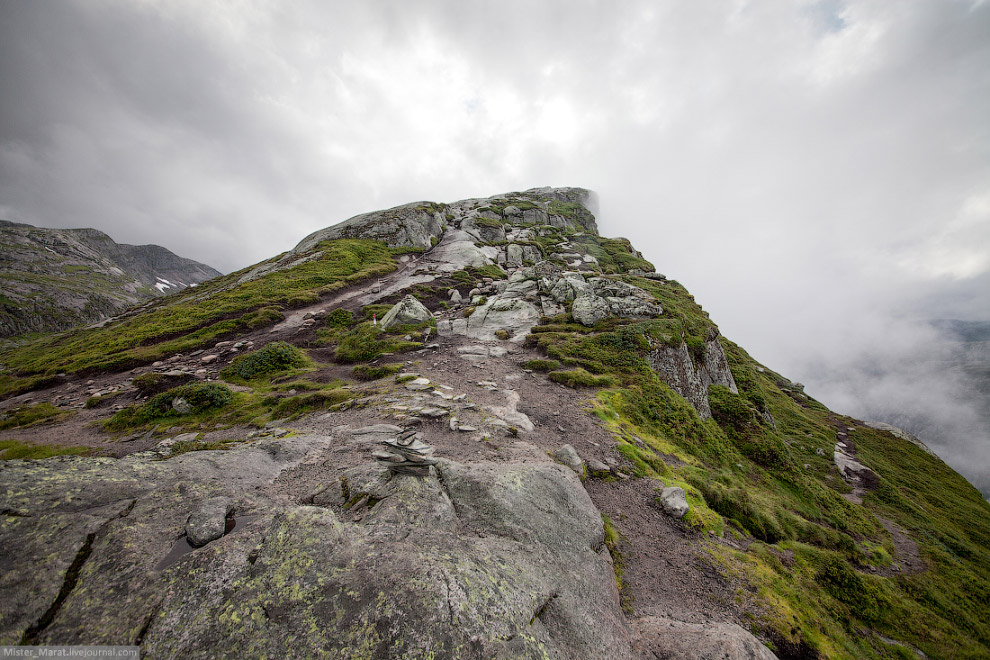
(816, 173)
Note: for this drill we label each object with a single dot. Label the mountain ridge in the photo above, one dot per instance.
(55, 279)
(611, 477)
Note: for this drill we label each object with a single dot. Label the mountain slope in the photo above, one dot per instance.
(55, 279)
(706, 498)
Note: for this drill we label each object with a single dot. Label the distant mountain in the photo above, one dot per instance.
(55, 279)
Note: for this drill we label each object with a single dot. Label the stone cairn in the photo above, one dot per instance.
(406, 454)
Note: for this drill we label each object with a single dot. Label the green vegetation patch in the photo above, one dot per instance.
(367, 342)
(369, 372)
(580, 378)
(541, 365)
(613, 540)
(309, 402)
(200, 397)
(186, 446)
(39, 413)
(274, 358)
(13, 449)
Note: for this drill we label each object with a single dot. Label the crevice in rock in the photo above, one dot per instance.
(541, 610)
(14, 513)
(446, 490)
(30, 636)
(147, 624)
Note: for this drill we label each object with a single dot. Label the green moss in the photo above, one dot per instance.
(368, 372)
(14, 449)
(613, 540)
(186, 446)
(494, 272)
(39, 413)
(580, 378)
(541, 365)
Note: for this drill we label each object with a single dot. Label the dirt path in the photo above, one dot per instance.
(907, 557)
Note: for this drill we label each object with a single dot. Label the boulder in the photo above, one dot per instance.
(409, 225)
(514, 256)
(181, 406)
(589, 310)
(208, 521)
(406, 311)
(659, 637)
(674, 502)
(567, 455)
(566, 288)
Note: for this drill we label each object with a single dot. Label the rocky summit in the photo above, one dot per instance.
(476, 429)
(55, 279)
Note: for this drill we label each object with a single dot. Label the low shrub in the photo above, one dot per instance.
(366, 342)
(340, 318)
(862, 595)
(200, 397)
(273, 358)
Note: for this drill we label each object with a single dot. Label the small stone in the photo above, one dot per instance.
(207, 359)
(597, 468)
(464, 428)
(181, 406)
(567, 455)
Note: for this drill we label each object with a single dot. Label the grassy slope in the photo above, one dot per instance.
(808, 564)
(192, 318)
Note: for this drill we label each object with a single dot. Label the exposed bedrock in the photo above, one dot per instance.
(691, 375)
(476, 560)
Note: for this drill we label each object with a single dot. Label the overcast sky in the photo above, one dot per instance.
(817, 173)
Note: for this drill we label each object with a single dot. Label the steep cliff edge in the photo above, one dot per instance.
(613, 478)
(55, 279)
